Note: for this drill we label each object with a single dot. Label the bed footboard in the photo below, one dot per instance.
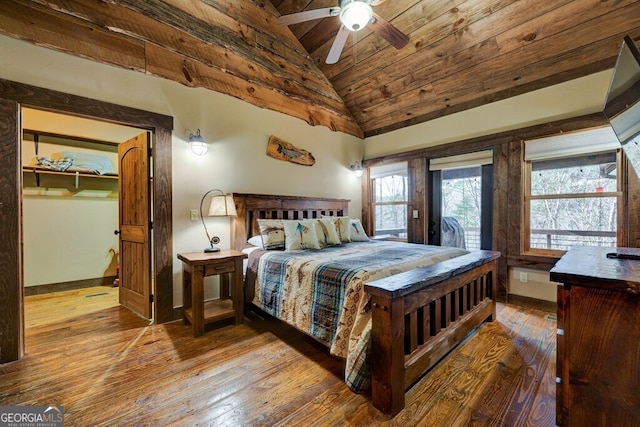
(420, 315)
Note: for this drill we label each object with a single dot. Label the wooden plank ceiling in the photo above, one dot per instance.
(461, 54)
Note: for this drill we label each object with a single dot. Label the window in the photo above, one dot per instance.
(571, 196)
(390, 200)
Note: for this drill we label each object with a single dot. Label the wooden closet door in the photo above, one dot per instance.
(135, 225)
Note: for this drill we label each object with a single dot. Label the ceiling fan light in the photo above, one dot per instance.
(355, 15)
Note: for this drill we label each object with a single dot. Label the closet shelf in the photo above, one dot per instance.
(37, 170)
(67, 141)
(60, 139)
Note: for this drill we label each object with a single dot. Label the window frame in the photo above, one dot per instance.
(374, 204)
(528, 198)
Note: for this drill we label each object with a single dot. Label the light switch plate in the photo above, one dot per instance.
(193, 215)
(415, 214)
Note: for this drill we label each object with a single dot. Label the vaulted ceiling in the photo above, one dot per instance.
(461, 54)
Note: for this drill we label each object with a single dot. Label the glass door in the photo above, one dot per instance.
(460, 208)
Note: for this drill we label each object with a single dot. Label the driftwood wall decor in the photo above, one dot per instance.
(282, 150)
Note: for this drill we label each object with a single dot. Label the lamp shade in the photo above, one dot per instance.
(355, 15)
(222, 205)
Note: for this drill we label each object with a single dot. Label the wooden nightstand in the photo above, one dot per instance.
(195, 267)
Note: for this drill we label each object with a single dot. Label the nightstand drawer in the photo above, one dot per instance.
(223, 267)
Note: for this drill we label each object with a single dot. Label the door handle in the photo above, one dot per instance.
(116, 232)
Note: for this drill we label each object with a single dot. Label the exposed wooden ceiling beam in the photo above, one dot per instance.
(235, 48)
(462, 54)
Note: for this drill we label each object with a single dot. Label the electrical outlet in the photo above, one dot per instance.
(194, 214)
(524, 277)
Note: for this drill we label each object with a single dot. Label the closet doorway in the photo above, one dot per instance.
(70, 209)
(16, 96)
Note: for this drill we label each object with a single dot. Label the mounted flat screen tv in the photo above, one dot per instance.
(622, 109)
(622, 105)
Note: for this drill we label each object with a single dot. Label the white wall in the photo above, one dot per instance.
(68, 238)
(237, 131)
(571, 99)
(532, 284)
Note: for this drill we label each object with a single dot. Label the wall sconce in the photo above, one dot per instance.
(198, 146)
(357, 170)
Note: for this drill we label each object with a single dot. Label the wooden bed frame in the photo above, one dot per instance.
(417, 316)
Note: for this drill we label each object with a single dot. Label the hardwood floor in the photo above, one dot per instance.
(109, 367)
(56, 307)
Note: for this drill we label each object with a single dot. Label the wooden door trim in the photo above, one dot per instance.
(11, 320)
(52, 100)
(160, 125)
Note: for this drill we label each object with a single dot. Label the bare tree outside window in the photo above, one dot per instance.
(390, 206)
(573, 201)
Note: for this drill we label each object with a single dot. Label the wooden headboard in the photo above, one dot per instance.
(251, 207)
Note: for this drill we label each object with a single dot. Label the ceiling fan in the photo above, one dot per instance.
(354, 15)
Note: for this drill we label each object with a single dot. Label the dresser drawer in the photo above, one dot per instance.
(223, 267)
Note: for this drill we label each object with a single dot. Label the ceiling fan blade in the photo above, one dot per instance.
(384, 29)
(308, 15)
(338, 45)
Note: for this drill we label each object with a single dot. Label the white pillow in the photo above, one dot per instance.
(329, 232)
(255, 241)
(357, 232)
(343, 227)
(300, 234)
(272, 232)
(249, 250)
(322, 239)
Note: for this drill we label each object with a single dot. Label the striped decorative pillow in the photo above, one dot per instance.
(272, 232)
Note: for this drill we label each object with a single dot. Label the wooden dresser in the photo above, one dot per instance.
(598, 352)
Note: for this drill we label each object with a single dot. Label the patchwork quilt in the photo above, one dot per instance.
(321, 292)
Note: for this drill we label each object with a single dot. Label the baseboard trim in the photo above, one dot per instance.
(529, 302)
(177, 313)
(67, 286)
